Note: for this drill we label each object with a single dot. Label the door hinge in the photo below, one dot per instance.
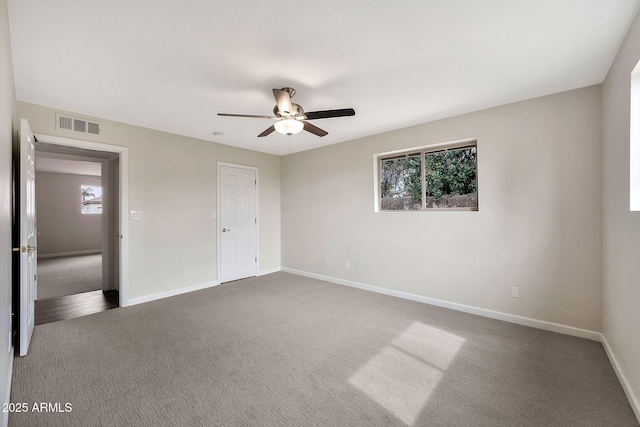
(255, 220)
(256, 259)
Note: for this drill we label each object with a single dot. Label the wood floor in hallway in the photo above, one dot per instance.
(70, 306)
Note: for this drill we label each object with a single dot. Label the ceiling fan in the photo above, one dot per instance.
(291, 118)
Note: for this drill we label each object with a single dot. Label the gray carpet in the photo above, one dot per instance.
(62, 276)
(283, 350)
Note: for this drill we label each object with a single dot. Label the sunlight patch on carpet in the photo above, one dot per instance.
(404, 374)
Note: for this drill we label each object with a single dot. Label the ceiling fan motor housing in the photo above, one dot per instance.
(296, 111)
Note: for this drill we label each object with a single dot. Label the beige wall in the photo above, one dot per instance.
(62, 228)
(538, 226)
(172, 180)
(7, 107)
(621, 227)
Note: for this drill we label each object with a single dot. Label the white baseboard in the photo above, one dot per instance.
(4, 421)
(269, 271)
(75, 253)
(167, 294)
(633, 399)
(172, 293)
(526, 321)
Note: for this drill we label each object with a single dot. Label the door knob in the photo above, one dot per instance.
(224, 230)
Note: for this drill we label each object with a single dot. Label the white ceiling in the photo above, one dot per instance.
(172, 65)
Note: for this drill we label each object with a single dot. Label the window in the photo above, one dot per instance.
(634, 140)
(440, 177)
(91, 199)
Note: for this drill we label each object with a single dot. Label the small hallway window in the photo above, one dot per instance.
(91, 199)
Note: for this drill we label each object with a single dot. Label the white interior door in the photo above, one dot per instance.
(238, 234)
(28, 236)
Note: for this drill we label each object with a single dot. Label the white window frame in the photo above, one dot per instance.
(422, 151)
(634, 141)
(82, 201)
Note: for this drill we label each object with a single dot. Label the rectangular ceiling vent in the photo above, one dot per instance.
(76, 124)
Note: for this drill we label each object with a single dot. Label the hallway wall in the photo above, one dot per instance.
(62, 228)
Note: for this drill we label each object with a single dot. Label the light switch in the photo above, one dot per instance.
(136, 214)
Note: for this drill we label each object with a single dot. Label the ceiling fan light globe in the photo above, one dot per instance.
(289, 126)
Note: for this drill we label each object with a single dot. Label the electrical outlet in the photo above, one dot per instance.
(185, 272)
(346, 265)
(515, 292)
(136, 214)
(213, 214)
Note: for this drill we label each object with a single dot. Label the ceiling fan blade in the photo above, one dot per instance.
(267, 132)
(327, 114)
(283, 99)
(247, 115)
(314, 129)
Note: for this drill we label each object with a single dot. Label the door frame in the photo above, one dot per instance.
(218, 234)
(123, 189)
